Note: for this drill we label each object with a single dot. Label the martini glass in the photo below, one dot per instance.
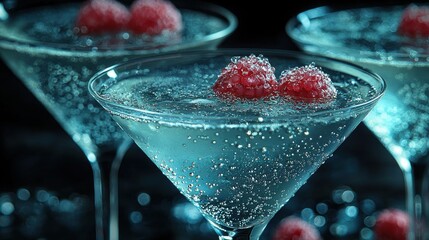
(367, 36)
(40, 47)
(238, 162)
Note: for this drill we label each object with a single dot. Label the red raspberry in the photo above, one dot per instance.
(249, 77)
(307, 84)
(294, 228)
(415, 21)
(392, 224)
(154, 16)
(100, 16)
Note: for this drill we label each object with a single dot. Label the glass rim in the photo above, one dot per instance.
(83, 51)
(307, 15)
(100, 77)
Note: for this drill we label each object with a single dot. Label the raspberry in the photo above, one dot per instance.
(391, 224)
(249, 77)
(100, 16)
(294, 228)
(152, 17)
(307, 84)
(415, 21)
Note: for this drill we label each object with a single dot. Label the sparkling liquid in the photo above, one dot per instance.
(240, 162)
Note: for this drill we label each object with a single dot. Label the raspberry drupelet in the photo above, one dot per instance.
(414, 21)
(306, 84)
(102, 16)
(152, 17)
(294, 228)
(391, 224)
(249, 77)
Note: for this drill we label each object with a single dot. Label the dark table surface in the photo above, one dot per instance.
(49, 182)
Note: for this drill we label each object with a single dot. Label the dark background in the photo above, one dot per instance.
(37, 155)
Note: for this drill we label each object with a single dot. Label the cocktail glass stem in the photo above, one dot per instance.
(105, 166)
(252, 233)
(416, 205)
(416, 192)
(425, 195)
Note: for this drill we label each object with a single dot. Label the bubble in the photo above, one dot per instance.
(42, 195)
(368, 206)
(7, 208)
(307, 213)
(348, 196)
(369, 221)
(143, 199)
(339, 230)
(66, 205)
(366, 234)
(319, 221)
(322, 208)
(351, 211)
(136, 217)
(23, 194)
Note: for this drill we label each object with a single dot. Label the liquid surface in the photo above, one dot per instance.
(401, 118)
(185, 91)
(238, 162)
(55, 25)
